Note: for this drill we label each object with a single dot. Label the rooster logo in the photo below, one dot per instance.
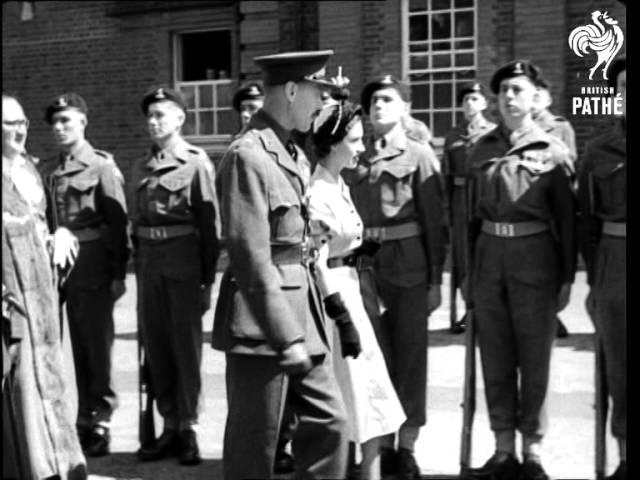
(604, 37)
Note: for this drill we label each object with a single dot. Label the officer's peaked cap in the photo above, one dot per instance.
(295, 67)
(251, 91)
(387, 81)
(66, 101)
(512, 69)
(470, 87)
(159, 94)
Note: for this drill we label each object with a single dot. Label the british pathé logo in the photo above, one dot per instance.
(603, 37)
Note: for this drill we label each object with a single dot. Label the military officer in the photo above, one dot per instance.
(397, 190)
(523, 239)
(269, 320)
(602, 194)
(247, 101)
(86, 193)
(175, 230)
(457, 145)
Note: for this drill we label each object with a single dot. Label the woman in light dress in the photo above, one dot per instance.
(337, 230)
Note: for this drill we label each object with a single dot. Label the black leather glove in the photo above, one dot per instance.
(349, 337)
(368, 247)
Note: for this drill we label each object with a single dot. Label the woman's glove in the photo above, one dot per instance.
(349, 337)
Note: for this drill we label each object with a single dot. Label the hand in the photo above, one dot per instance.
(205, 299)
(434, 298)
(590, 303)
(65, 248)
(295, 359)
(349, 337)
(563, 296)
(368, 247)
(117, 289)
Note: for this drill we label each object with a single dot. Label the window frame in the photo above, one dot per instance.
(214, 83)
(406, 56)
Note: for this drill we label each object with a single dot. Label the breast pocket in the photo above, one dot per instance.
(396, 187)
(175, 190)
(610, 183)
(81, 194)
(285, 216)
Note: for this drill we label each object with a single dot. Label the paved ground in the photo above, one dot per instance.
(569, 447)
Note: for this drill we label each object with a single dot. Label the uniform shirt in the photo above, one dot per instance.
(602, 189)
(560, 128)
(86, 191)
(176, 186)
(521, 176)
(397, 180)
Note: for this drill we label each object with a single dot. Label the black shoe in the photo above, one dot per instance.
(501, 466)
(283, 462)
(98, 443)
(459, 326)
(165, 445)
(620, 473)
(561, 331)
(407, 467)
(189, 451)
(532, 470)
(388, 461)
(84, 432)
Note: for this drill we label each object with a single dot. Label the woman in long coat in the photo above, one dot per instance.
(372, 403)
(39, 435)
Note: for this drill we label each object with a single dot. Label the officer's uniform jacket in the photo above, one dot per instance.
(397, 181)
(457, 145)
(560, 128)
(523, 177)
(176, 187)
(602, 190)
(86, 192)
(265, 304)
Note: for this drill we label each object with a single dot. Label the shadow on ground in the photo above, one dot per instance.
(126, 466)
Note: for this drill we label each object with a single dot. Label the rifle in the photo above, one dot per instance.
(146, 423)
(602, 407)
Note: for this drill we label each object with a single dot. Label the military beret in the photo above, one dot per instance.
(160, 94)
(388, 81)
(66, 101)
(295, 67)
(470, 87)
(618, 65)
(514, 69)
(252, 91)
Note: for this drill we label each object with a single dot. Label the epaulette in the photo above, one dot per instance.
(102, 153)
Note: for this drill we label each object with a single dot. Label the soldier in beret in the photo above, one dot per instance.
(269, 319)
(397, 190)
(523, 239)
(457, 145)
(175, 228)
(247, 101)
(602, 194)
(87, 197)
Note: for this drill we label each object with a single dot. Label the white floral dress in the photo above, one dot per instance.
(336, 228)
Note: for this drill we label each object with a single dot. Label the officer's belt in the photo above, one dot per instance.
(290, 254)
(459, 181)
(518, 229)
(164, 232)
(348, 260)
(393, 232)
(86, 234)
(615, 229)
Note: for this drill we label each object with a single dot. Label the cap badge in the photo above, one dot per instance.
(387, 80)
(61, 102)
(160, 94)
(517, 69)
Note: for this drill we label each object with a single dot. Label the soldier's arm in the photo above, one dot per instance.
(244, 204)
(569, 138)
(564, 212)
(114, 207)
(589, 225)
(204, 202)
(431, 215)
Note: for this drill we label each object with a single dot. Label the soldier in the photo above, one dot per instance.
(522, 234)
(397, 190)
(602, 194)
(416, 129)
(457, 145)
(175, 233)
(269, 319)
(247, 101)
(87, 197)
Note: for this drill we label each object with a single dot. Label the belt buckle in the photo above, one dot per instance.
(158, 233)
(505, 229)
(375, 233)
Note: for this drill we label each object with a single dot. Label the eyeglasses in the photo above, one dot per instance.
(24, 122)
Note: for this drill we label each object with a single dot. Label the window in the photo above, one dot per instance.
(440, 46)
(203, 76)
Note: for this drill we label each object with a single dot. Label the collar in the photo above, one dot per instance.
(478, 123)
(391, 144)
(262, 119)
(172, 155)
(82, 153)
